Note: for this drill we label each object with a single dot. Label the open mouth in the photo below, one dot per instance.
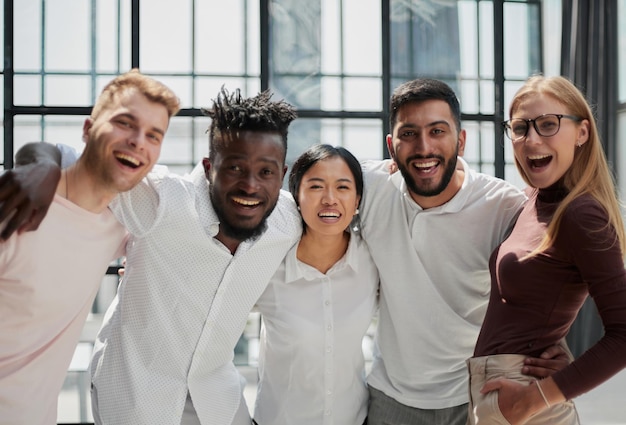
(426, 167)
(128, 160)
(248, 203)
(329, 215)
(539, 161)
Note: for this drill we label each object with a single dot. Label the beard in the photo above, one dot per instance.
(450, 167)
(233, 230)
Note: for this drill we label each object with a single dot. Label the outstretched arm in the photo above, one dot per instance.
(27, 191)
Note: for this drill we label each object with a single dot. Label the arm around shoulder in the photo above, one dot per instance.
(27, 191)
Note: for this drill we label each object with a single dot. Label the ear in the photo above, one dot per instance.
(392, 153)
(206, 163)
(583, 132)
(358, 201)
(461, 142)
(285, 171)
(86, 127)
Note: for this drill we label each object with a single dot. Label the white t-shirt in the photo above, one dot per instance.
(182, 305)
(435, 281)
(311, 365)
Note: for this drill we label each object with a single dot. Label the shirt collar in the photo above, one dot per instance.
(296, 269)
(204, 207)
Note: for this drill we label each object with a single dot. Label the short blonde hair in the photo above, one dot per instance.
(154, 90)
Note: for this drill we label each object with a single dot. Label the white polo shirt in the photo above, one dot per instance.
(182, 304)
(311, 365)
(435, 281)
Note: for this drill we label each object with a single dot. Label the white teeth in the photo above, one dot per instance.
(536, 157)
(246, 202)
(127, 158)
(331, 215)
(426, 164)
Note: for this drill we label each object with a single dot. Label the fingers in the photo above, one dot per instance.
(19, 218)
(553, 352)
(492, 385)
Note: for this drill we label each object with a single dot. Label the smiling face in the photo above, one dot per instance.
(328, 197)
(245, 174)
(124, 141)
(425, 144)
(545, 160)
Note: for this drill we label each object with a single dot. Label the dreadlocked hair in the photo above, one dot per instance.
(231, 112)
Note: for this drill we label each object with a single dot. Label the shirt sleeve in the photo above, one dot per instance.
(596, 253)
(69, 155)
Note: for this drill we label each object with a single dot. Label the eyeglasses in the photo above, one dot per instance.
(546, 125)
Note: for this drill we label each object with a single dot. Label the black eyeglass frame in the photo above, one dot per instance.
(507, 125)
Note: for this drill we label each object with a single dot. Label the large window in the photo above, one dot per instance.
(336, 60)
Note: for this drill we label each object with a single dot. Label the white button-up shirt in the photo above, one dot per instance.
(311, 365)
(182, 305)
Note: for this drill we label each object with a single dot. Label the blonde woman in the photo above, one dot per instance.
(567, 244)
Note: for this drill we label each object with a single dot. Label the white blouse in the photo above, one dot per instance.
(311, 364)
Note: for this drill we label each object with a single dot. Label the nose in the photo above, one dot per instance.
(249, 182)
(330, 197)
(137, 139)
(532, 136)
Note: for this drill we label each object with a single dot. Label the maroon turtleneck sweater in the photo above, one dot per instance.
(534, 302)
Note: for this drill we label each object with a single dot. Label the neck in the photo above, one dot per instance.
(81, 188)
(322, 251)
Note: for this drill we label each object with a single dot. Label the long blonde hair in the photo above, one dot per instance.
(589, 172)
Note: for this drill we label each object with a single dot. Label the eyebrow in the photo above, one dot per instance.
(134, 119)
(428, 125)
(313, 179)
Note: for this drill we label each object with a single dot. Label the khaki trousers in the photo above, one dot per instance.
(484, 408)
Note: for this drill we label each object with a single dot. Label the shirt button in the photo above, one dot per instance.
(329, 327)
(329, 349)
(326, 302)
(327, 413)
(503, 300)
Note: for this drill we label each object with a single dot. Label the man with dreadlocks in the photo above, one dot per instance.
(201, 252)
(202, 249)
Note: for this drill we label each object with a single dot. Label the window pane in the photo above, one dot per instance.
(27, 90)
(65, 129)
(522, 46)
(359, 136)
(424, 39)
(162, 48)
(27, 129)
(68, 35)
(295, 52)
(361, 37)
(67, 90)
(27, 35)
(217, 19)
(468, 43)
(112, 36)
(363, 94)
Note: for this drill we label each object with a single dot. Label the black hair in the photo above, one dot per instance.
(420, 90)
(318, 153)
(232, 112)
